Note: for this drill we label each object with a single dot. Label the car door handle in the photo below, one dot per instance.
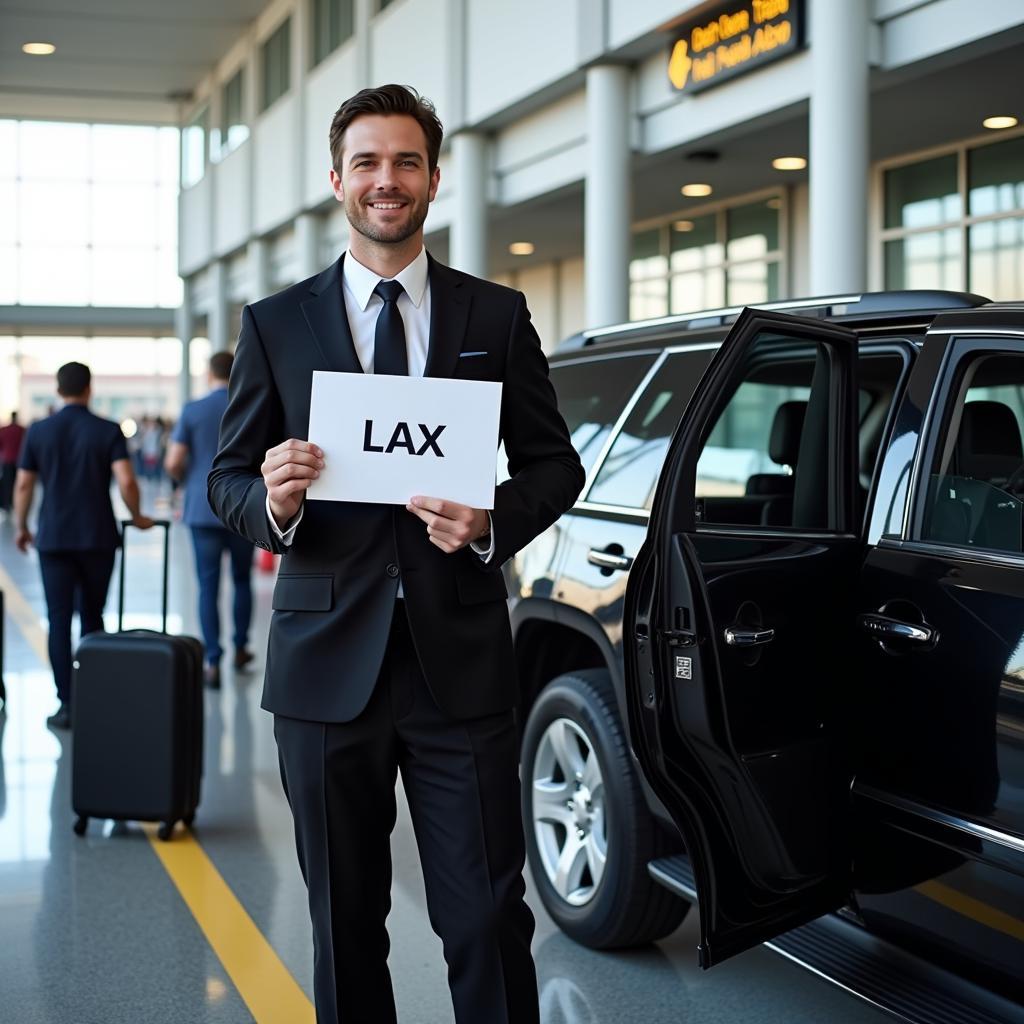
(885, 628)
(736, 636)
(610, 560)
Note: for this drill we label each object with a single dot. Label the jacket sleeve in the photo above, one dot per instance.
(546, 476)
(252, 423)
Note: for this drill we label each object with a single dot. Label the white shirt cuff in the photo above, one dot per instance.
(485, 553)
(285, 536)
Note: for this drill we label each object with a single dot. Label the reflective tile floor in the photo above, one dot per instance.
(94, 930)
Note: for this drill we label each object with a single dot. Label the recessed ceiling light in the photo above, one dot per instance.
(696, 189)
(789, 163)
(683, 225)
(38, 49)
(1000, 121)
(521, 248)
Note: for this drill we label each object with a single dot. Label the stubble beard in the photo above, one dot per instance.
(385, 234)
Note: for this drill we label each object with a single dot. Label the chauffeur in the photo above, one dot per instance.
(390, 648)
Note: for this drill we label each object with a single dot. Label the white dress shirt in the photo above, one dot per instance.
(362, 307)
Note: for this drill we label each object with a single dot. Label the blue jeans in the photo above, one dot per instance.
(210, 543)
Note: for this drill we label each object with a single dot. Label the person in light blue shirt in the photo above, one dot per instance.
(189, 457)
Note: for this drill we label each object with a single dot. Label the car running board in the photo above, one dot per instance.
(868, 967)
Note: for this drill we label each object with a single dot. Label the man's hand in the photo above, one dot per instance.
(23, 539)
(450, 526)
(141, 522)
(287, 471)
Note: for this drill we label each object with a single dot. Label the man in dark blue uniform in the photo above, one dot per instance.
(190, 456)
(74, 454)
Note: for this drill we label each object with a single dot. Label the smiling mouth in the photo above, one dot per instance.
(388, 205)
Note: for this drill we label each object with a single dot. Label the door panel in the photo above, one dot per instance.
(738, 668)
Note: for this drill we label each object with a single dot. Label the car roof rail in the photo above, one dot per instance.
(855, 304)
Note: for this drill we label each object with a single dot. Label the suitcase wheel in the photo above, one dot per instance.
(81, 824)
(165, 831)
(187, 821)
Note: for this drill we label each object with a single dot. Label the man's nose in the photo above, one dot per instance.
(386, 175)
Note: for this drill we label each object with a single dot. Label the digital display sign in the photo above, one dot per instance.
(730, 39)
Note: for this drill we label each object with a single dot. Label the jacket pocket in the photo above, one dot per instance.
(304, 594)
(475, 587)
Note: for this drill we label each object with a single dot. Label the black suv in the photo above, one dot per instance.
(773, 659)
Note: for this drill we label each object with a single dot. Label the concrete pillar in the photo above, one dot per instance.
(218, 327)
(184, 328)
(839, 147)
(363, 15)
(307, 245)
(257, 255)
(468, 232)
(607, 201)
(301, 58)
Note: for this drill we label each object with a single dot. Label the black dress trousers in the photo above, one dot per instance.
(462, 784)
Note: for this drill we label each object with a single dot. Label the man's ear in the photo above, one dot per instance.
(435, 180)
(337, 186)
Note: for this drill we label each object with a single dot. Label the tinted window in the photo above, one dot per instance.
(591, 395)
(977, 480)
(630, 472)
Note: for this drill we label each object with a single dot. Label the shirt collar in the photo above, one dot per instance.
(361, 281)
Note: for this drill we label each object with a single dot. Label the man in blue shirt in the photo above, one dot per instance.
(74, 454)
(190, 455)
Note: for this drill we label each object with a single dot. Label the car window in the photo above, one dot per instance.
(630, 472)
(977, 481)
(591, 395)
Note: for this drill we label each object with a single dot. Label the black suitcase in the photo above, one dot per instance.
(137, 720)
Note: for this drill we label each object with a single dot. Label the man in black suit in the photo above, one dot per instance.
(74, 454)
(390, 648)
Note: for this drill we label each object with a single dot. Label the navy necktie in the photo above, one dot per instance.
(389, 352)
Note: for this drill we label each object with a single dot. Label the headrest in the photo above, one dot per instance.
(784, 443)
(989, 428)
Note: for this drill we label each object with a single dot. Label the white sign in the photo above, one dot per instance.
(387, 438)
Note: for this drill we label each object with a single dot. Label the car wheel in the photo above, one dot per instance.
(589, 834)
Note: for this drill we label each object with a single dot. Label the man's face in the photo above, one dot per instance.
(385, 182)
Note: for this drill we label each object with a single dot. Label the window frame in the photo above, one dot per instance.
(273, 40)
(226, 122)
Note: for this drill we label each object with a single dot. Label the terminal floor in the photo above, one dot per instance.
(94, 931)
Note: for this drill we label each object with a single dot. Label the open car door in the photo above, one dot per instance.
(739, 627)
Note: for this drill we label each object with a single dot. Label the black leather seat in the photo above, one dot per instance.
(988, 446)
(783, 450)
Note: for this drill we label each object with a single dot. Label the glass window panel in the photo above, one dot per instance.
(167, 156)
(166, 217)
(752, 230)
(8, 211)
(648, 299)
(51, 275)
(697, 247)
(169, 287)
(996, 260)
(48, 211)
(592, 394)
(928, 260)
(995, 176)
(276, 64)
(650, 267)
(698, 290)
(8, 275)
(124, 277)
(8, 149)
(647, 244)
(193, 150)
(630, 472)
(49, 151)
(922, 194)
(123, 153)
(124, 214)
(748, 283)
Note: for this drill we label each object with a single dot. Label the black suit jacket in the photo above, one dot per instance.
(335, 592)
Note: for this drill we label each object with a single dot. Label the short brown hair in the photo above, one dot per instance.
(387, 99)
(220, 365)
(73, 379)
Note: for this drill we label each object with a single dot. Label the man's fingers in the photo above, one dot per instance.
(293, 444)
(290, 472)
(448, 509)
(282, 491)
(448, 549)
(290, 458)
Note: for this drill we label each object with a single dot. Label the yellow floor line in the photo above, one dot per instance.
(264, 983)
(972, 908)
(269, 990)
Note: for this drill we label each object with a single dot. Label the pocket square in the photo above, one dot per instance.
(467, 355)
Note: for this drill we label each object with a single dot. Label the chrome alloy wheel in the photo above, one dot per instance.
(569, 811)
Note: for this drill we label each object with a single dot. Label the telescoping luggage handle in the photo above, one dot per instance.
(125, 523)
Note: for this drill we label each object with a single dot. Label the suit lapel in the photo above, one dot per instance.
(449, 315)
(325, 314)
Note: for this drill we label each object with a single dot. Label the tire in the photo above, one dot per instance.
(606, 899)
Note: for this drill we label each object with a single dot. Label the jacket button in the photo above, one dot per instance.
(392, 570)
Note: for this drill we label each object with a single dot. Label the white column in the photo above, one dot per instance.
(468, 232)
(257, 255)
(184, 328)
(218, 328)
(307, 245)
(364, 11)
(839, 146)
(607, 202)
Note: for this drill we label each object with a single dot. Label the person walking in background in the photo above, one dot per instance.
(189, 457)
(11, 437)
(74, 453)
